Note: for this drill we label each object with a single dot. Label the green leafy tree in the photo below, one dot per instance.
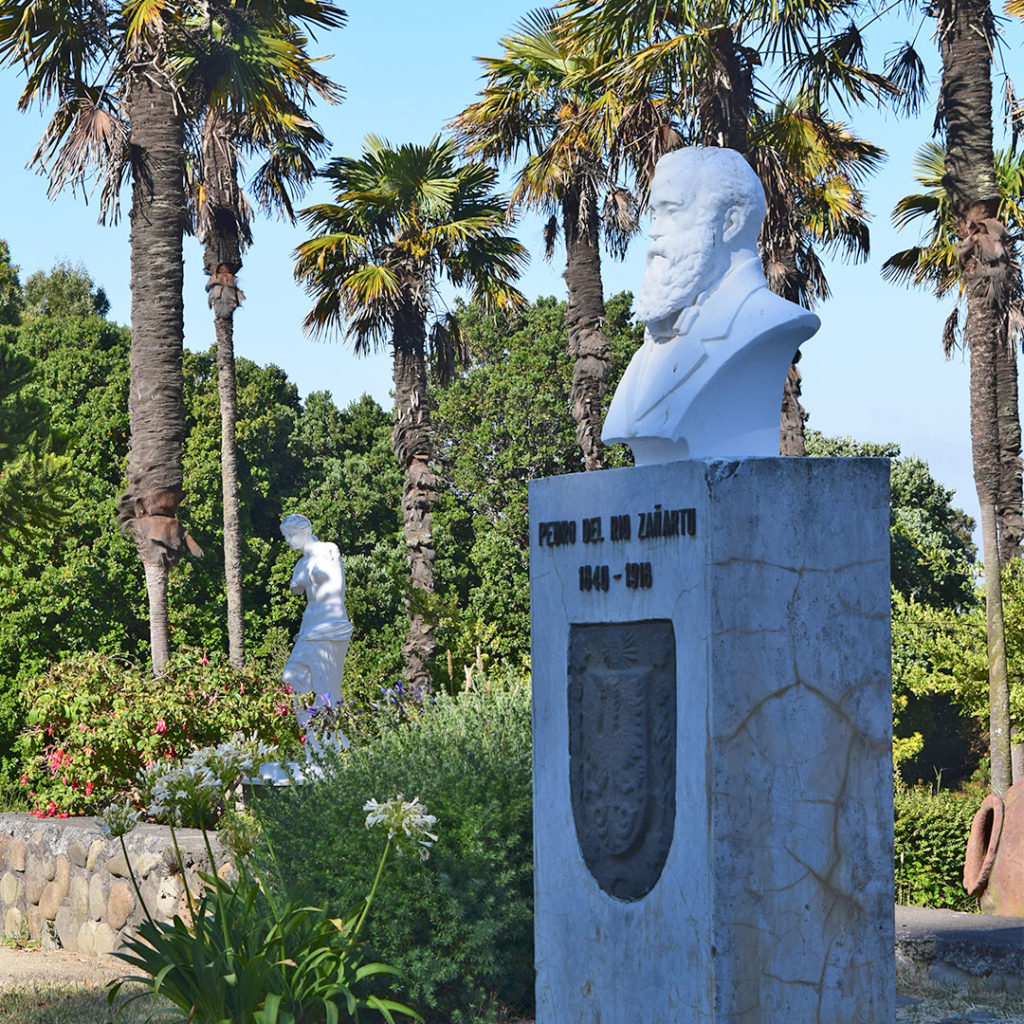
(940, 677)
(66, 290)
(931, 551)
(504, 421)
(85, 595)
(32, 470)
(11, 299)
(402, 219)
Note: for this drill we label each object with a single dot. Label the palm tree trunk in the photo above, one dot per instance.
(725, 102)
(159, 638)
(233, 577)
(587, 341)
(791, 424)
(778, 258)
(1009, 511)
(412, 442)
(156, 402)
(222, 229)
(966, 29)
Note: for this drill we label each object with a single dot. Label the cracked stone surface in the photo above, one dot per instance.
(775, 902)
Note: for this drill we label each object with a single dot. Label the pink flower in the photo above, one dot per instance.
(204, 660)
(24, 780)
(88, 789)
(161, 726)
(81, 726)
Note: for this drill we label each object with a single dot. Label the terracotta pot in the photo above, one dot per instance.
(994, 864)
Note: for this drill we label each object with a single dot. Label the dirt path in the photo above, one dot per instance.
(21, 967)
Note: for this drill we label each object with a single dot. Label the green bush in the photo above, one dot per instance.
(459, 925)
(95, 721)
(931, 840)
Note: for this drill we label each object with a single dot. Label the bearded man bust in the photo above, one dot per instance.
(708, 379)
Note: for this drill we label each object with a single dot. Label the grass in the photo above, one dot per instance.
(939, 1001)
(66, 1003)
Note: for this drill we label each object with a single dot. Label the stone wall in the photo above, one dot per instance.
(63, 883)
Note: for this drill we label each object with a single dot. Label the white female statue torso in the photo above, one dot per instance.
(317, 661)
(320, 575)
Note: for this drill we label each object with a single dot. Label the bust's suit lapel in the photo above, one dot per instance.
(665, 363)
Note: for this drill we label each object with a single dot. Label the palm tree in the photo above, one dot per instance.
(966, 31)
(812, 169)
(402, 219)
(118, 106)
(935, 264)
(532, 100)
(260, 46)
(118, 79)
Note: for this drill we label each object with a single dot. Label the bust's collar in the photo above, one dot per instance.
(717, 307)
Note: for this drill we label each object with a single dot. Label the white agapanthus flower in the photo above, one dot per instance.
(192, 789)
(118, 820)
(406, 819)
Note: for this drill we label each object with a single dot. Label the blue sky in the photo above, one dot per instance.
(875, 371)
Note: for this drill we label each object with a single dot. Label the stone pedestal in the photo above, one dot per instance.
(712, 728)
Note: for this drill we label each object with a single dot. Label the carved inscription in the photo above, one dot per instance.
(622, 750)
(652, 524)
(657, 523)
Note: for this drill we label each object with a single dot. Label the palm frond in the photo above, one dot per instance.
(951, 334)
(905, 69)
(402, 217)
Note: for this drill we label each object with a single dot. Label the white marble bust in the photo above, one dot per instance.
(707, 380)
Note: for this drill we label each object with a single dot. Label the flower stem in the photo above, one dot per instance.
(373, 889)
(184, 876)
(135, 884)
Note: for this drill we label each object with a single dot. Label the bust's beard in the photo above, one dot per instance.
(673, 282)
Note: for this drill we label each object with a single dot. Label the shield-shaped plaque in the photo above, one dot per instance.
(622, 750)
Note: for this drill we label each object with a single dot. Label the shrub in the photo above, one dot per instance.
(242, 956)
(931, 839)
(459, 925)
(95, 722)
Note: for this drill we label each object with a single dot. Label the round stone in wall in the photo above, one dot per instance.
(14, 923)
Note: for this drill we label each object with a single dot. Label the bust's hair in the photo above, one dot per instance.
(720, 177)
(295, 524)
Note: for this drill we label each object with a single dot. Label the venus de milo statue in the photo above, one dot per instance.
(317, 661)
